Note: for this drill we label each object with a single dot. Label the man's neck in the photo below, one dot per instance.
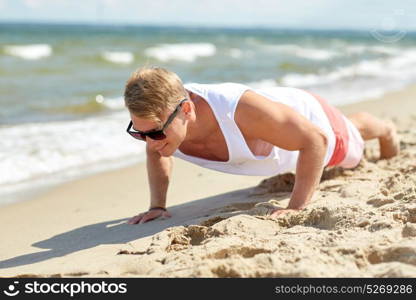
(199, 129)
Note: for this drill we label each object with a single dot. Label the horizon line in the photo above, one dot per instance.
(185, 25)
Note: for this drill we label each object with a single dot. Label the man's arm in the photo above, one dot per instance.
(159, 170)
(280, 125)
(309, 170)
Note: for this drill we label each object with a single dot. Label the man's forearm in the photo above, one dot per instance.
(159, 170)
(309, 170)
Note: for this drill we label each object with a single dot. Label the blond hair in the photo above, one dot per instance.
(150, 91)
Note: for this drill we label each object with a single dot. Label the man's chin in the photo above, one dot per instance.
(163, 154)
(166, 151)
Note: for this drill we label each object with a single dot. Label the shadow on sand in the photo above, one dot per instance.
(119, 232)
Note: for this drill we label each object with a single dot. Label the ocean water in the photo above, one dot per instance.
(61, 108)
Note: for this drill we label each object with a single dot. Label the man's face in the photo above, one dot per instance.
(175, 133)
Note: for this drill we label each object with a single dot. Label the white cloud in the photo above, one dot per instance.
(42, 3)
(33, 3)
(111, 3)
(281, 13)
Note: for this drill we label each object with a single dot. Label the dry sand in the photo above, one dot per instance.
(361, 222)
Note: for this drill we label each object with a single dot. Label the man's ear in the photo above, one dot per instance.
(187, 107)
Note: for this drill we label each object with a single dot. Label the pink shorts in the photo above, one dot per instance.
(349, 145)
(355, 146)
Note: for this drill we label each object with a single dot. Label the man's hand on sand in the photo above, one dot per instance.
(281, 211)
(148, 216)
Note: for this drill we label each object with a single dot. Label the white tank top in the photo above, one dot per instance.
(223, 99)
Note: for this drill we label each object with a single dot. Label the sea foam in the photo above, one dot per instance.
(123, 58)
(401, 66)
(29, 52)
(304, 52)
(183, 52)
(35, 150)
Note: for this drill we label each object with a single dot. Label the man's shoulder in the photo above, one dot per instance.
(226, 89)
(254, 111)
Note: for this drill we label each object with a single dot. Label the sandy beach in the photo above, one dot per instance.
(361, 222)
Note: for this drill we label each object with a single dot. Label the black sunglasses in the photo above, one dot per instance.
(154, 134)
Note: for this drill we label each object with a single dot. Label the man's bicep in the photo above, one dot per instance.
(260, 118)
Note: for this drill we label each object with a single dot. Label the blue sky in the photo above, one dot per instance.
(324, 14)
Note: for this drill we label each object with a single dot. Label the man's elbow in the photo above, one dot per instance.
(318, 140)
(324, 139)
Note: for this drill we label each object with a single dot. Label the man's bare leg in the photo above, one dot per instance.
(371, 127)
